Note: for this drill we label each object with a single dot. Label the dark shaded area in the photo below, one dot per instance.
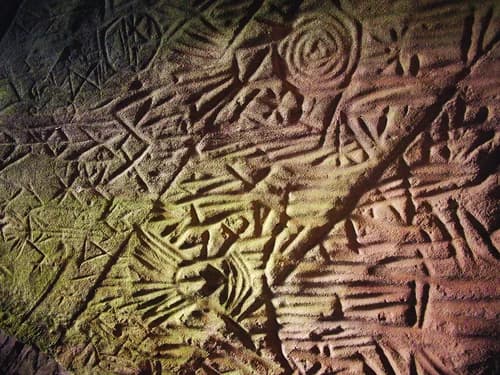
(8, 9)
(18, 358)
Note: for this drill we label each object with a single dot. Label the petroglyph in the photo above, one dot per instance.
(250, 187)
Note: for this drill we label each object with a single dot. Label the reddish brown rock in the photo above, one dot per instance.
(269, 187)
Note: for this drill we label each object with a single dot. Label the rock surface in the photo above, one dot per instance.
(250, 187)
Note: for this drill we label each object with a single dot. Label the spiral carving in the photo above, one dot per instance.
(322, 52)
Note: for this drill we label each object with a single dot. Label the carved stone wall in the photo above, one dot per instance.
(250, 187)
